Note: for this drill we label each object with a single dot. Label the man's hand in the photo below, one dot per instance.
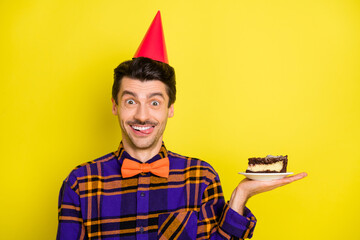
(248, 188)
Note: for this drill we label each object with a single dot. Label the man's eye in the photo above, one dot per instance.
(155, 103)
(130, 101)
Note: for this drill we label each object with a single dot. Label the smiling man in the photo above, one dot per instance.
(143, 107)
(142, 190)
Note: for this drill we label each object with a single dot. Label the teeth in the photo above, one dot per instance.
(140, 128)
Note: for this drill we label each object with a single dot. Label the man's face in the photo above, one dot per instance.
(143, 111)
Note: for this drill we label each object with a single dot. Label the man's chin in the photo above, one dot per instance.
(143, 143)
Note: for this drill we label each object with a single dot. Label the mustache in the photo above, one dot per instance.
(137, 122)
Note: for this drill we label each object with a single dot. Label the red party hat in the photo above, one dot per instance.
(153, 44)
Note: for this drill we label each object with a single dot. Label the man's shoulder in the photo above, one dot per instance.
(192, 164)
(90, 167)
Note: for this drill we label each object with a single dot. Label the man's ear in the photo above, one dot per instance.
(171, 111)
(114, 107)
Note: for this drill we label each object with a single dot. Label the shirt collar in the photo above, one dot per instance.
(121, 154)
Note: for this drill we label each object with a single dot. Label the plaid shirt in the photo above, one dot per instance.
(95, 202)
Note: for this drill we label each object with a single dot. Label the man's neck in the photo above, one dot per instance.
(143, 155)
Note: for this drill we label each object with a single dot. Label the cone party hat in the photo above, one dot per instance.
(153, 44)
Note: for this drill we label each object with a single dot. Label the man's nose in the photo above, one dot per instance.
(142, 113)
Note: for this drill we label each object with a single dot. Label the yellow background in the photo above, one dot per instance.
(253, 77)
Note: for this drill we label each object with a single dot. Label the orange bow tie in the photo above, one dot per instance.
(131, 168)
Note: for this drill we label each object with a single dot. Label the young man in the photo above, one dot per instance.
(144, 191)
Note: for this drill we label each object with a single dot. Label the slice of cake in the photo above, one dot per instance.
(268, 164)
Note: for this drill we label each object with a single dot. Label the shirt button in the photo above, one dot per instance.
(141, 229)
(142, 194)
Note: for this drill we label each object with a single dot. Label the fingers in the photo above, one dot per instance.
(297, 176)
(290, 179)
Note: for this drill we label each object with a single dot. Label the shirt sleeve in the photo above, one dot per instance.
(70, 225)
(218, 221)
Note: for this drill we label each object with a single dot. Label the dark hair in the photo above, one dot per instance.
(145, 69)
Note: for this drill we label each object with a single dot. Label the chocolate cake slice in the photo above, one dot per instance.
(268, 164)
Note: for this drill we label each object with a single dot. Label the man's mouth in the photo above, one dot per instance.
(138, 128)
(142, 130)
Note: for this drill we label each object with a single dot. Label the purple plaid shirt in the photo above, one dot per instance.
(95, 202)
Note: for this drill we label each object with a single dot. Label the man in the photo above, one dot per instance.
(144, 191)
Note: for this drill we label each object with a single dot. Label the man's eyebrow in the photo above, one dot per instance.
(125, 92)
(156, 94)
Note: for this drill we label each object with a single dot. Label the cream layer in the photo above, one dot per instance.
(263, 167)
